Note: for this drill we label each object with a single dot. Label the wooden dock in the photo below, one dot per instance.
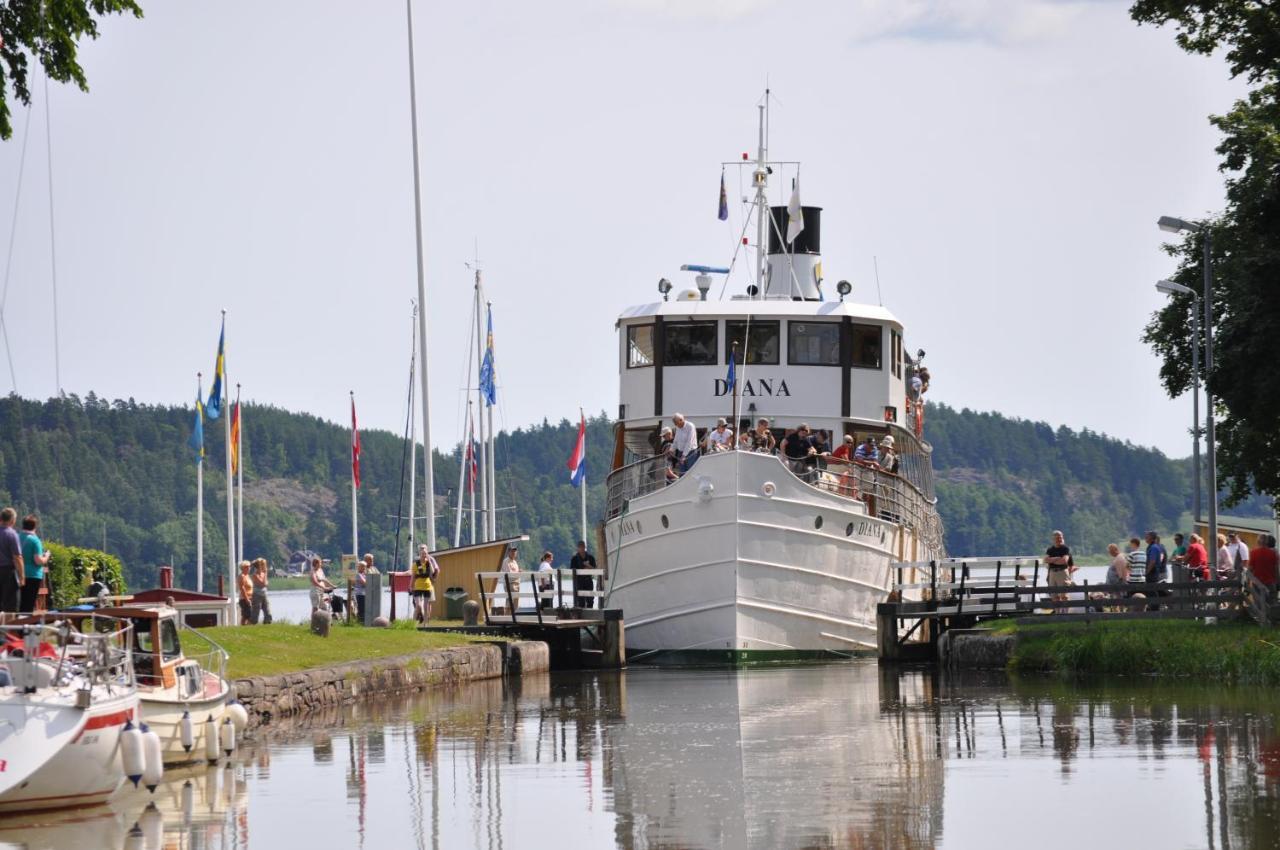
(960, 593)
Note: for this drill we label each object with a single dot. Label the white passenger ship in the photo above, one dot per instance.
(750, 556)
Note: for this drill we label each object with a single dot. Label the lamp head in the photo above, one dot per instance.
(664, 286)
(844, 288)
(1168, 287)
(1169, 224)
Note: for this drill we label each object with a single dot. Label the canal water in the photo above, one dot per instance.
(844, 755)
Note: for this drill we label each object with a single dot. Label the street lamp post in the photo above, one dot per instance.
(1170, 224)
(1168, 287)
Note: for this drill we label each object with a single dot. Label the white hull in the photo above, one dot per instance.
(162, 710)
(740, 556)
(78, 749)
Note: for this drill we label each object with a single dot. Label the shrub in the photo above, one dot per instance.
(71, 569)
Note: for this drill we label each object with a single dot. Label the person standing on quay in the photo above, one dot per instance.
(261, 606)
(1157, 567)
(1197, 559)
(34, 558)
(362, 580)
(583, 560)
(12, 575)
(1058, 558)
(244, 588)
(423, 591)
(1263, 561)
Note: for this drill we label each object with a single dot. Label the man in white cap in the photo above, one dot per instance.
(888, 457)
(720, 438)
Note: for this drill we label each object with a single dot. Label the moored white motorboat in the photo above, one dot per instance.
(67, 692)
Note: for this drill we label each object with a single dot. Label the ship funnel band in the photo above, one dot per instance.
(808, 241)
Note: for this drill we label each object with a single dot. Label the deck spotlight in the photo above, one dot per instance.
(920, 354)
(844, 288)
(664, 286)
(752, 290)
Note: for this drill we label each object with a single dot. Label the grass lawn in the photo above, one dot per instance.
(1229, 653)
(288, 647)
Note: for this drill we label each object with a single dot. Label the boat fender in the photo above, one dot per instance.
(210, 739)
(151, 822)
(239, 714)
(153, 758)
(135, 840)
(131, 754)
(228, 735)
(187, 732)
(188, 802)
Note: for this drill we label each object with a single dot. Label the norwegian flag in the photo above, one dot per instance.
(472, 471)
(355, 445)
(578, 460)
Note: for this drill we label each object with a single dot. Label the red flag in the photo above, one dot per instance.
(355, 445)
(235, 438)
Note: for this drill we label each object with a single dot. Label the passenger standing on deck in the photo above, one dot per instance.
(844, 451)
(762, 439)
(583, 560)
(867, 451)
(684, 445)
(260, 605)
(34, 558)
(799, 449)
(12, 573)
(244, 590)
(1058, 558)
(720, 438)
(888, 457)
(425, 570)
(665, 440)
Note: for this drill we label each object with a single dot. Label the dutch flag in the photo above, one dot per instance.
(578, 460)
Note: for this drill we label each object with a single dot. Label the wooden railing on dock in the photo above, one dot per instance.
(509, 588)
(962, 591)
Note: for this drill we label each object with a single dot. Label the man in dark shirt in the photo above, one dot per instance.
(12, 573)
(1157, 569)
(1059, 561)
(583, 560)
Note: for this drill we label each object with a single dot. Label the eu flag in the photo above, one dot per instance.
(731, 378)
(487, 387)
(214, 404)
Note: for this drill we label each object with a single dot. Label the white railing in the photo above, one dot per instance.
(62, 652)
(509, 589)
(886, 495)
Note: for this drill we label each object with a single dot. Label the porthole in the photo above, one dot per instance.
(848, 530)
(768, 488)
(817, 521)
(666, 523)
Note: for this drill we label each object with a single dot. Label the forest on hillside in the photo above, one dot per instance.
(119, 475)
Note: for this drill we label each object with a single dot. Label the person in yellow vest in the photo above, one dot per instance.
(424, 570)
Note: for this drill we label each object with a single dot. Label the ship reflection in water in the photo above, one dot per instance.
(832, 756)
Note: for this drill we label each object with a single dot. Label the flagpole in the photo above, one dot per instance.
(484, 446)
(462, 467)
(200, 493)
(582, 486)
(355, 528)
(239, 478)
(422, 295)
(493, 453)
(413, 441)
(231, 517)
(733, 404)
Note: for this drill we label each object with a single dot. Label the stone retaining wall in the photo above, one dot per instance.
(286, 694)
(975, 649)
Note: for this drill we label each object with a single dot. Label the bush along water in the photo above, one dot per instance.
(72, 569)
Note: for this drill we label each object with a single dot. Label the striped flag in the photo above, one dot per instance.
(472, 471)
(235, 437)
(214, 406)
(578, 460)
(355, 446)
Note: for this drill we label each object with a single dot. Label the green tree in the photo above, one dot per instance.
(1244, 241)
(50, 31)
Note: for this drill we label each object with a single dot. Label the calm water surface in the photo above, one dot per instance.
(827, 756)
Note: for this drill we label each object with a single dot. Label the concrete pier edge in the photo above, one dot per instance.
(285, 694)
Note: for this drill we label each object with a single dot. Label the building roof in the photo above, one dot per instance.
(160, 594)
(1243, 523)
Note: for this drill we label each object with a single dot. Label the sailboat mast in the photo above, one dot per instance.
(471, 442)
(199, 492)
(413, 444)
(484, 447)
(422, 295)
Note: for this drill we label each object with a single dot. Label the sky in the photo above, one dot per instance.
(1003, 162)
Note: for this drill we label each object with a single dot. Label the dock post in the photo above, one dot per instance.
(614, 655)
(887, 631)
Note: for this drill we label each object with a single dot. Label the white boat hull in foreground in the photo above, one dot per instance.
(740, 560)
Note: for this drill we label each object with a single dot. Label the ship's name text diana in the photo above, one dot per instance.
(757, 387)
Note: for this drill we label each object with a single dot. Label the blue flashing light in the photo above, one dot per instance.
(690, 267)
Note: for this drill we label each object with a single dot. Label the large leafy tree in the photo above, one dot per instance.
(1245, 243)
(50, 31)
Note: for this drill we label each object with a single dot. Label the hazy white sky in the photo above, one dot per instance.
(1005, 161)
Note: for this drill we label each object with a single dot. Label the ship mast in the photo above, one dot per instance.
(760, 177)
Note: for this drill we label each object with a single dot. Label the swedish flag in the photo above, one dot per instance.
(196, 440)
(214, 405)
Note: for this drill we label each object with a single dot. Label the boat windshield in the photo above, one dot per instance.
(170, 646)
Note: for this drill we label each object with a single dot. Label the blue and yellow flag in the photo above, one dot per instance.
(214, 405)
(196, 440)
(487, 387)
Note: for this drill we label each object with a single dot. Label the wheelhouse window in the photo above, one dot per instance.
(813, 344)
(866, 346)
(757, 342)
(689, 344)
(639, 346)
(896, 354)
